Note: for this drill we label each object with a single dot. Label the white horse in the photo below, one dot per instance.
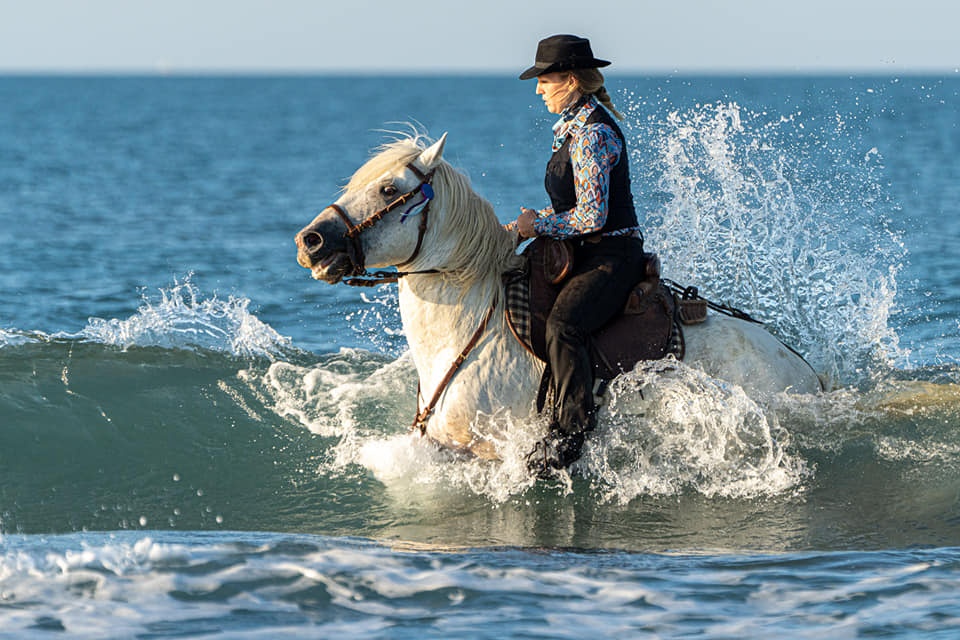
(453, 251)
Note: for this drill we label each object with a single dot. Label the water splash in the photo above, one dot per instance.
(350, 392)
(366, 402)
(793, 232)
(667, 429)
(183, 319)
(377, 321)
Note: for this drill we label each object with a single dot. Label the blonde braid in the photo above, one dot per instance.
(605, 100)
(590, 82)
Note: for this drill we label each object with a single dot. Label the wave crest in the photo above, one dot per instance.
(183, 319)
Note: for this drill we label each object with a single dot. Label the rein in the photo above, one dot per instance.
(693, 294)
(364, 278)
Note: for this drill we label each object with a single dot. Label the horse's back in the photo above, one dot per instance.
(745, 354)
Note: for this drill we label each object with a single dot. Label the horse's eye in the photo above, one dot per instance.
(388, 190)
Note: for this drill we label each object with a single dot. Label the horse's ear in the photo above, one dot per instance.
(430, 157)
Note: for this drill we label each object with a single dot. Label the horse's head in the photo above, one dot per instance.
(381, 218)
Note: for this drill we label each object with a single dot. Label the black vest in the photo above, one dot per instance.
(559, 180)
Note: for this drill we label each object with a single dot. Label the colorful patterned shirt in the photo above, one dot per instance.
(594, 150)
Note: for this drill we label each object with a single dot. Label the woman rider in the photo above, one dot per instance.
(588, 183)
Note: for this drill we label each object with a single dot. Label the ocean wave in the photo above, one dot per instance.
(195, 414)
(199, 438)
(257, 585)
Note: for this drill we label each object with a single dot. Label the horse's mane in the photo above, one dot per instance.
(484, 247)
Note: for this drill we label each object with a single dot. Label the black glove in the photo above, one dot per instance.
(556, 451)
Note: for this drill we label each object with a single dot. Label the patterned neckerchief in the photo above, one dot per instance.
(573, 117)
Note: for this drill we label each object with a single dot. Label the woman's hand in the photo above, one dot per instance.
(525, 222)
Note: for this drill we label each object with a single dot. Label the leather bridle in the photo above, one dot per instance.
(367, 279)
(353, 232)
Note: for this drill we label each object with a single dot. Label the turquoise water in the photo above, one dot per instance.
(198, 439)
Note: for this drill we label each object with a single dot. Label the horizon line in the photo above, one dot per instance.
(447, 72)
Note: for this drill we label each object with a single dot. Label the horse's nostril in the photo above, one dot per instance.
(312, 239)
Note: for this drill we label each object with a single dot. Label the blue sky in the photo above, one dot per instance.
(497, 36)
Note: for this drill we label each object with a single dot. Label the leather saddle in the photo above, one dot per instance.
(648, 328)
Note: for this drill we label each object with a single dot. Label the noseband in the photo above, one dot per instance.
(354, 230)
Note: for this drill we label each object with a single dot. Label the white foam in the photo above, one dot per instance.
(667, 429)
(412, 466)
(327, 397)
(102, 585)
(15, 338)
(124, 589)
(83, 585)
(184, 319)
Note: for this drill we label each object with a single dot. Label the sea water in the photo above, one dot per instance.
(197, 439)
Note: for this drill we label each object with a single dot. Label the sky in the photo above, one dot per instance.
(488, 36)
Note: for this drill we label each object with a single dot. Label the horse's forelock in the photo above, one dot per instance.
(483, 245)
(389, 157)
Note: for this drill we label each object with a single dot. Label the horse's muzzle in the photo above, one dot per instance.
(308, 244)
(321, 247)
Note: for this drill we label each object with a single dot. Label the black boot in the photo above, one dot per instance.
(556, 451)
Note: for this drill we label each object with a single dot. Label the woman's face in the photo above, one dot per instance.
(559, 90)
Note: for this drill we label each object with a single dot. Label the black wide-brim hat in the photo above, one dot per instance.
(562, 53)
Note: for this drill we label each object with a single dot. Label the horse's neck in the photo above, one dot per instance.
(439, 319)
(436, 312)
